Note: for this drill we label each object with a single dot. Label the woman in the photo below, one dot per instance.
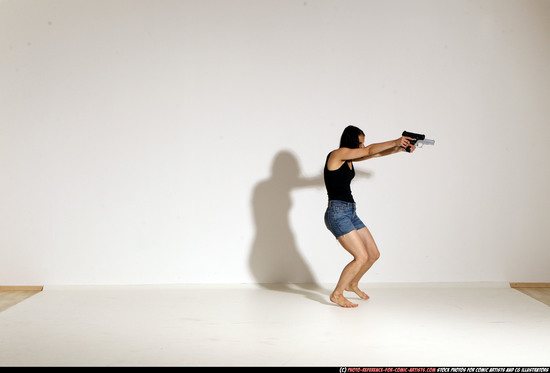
(341, 218)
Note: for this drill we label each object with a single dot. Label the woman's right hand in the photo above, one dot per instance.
(404, 142)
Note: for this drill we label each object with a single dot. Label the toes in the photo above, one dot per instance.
(360, 293)
(342, 302)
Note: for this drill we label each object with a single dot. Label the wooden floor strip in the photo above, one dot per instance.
(21, 288)
(529, 285)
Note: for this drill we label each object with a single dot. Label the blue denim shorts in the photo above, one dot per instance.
(341, 218)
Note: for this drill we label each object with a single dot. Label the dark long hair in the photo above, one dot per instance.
(350, 137)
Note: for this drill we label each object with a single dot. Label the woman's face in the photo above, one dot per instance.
(361, 141)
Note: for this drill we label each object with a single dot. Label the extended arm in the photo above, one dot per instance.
(373, 150)
(395, 149)
(392, 150)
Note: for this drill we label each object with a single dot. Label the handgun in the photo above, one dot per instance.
(419, 140)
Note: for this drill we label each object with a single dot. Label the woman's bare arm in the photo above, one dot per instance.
(395, 149)
(371, 151)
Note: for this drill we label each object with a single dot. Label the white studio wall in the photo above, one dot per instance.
(160, 142)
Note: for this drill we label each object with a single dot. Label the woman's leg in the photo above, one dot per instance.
(354, 244)
(373, 255)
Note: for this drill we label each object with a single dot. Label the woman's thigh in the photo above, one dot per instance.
(368, 241)
(354, 244)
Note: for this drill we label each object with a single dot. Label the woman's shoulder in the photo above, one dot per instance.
(334, 161)
(338, 152)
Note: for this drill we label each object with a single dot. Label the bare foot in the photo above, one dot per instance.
(340, 300)
(358, 291)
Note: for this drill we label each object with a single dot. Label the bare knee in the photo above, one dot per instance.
(374, 257)
(362, 259)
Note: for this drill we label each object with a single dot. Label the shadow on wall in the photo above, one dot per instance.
(275, 260)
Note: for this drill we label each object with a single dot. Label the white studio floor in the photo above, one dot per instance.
(282, 325)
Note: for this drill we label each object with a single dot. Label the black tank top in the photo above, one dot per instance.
(338, 182)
